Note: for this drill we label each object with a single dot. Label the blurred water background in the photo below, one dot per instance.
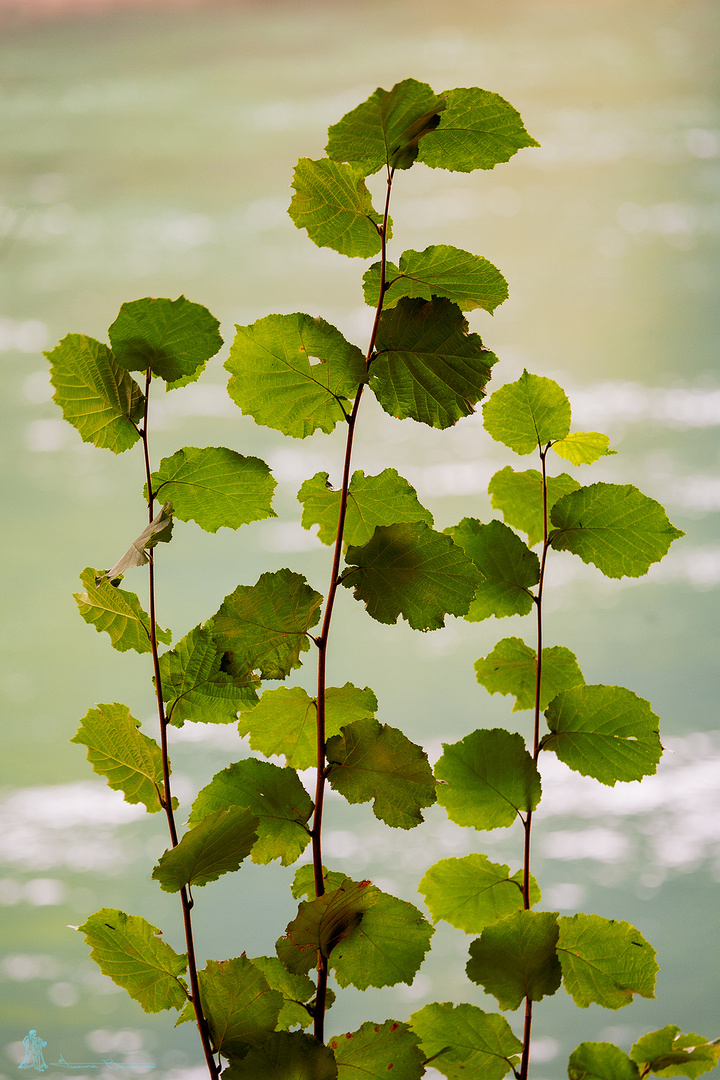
(149, 151)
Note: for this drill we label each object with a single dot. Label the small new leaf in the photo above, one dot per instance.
(465, 1043)
(528, 414)
(333, 203)
(375, 1050)
(196, 686)
(216, 846)
(472, 892)
(509, 569)
(583, 447)
(116, 612)
(440, 270)
(605, 961)
(668, 1053)
(174, 339)
(511, 668)
(516, 958)
(477, 130)
(519, 497)
(158, 531)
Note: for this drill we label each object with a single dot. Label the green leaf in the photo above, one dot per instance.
(333, 203)
(601, 1061)
(426, 365)
(215, 487)
(509, 569)
(159, 531)
(605, 961)
(240, 1007)
(173, 338)
(375, 1049)
(296, 990)
(516, 958)
(274, 381)
(303, 885)
(131, 762)
(465, 1043)
(374, 761)
(265, 626)
(518, 495)
(216, 846)
(472, 892)
(606, 732)
(410, 570)
(386, 499)
(615, 527)
(196, 685)
(286, 1055)
(440, 270)
(528, 414)
(477, 130)
(116, 612)
(583, 447)
(369, 937)
(668, 1053)
(130, 951)
(490, 778)
(276, 796)
(96, 396)
(385, 129)
(511, 668)
(285, 720)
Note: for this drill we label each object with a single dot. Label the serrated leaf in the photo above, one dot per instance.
(374, 1050)
(472, 892)
(296, 990)
(196, 685)
(509, 569)
(413, 571)
(333, 203)
(276, 796)
(490, 778)
(274, 380)
(385, 129)
(130, 951)
(265, 626)
(426, 365)
(477, 130)
(518, 495)
(303, 885)
(516, 958)
(158, 531)
(216, 846)
(286, 1055)
(614, 526)
(607, 732)
(369, 937)
(116, 612)
(215, 487)
(527, 414)
(130, 761)
(173, 338)
(374, 761)
(385, 499)
(240, 1007)
(604, 961)
(583, 447)
(465, 1043)
(668, 1053)
(511, 668)
(601, 1061)
(96, 395)
(440, 270)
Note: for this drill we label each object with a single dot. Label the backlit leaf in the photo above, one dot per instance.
(158, 531)
(276, 796)
(96, 395)
(374, 761)
(116, 612)
(295, 991)
(607, 732)
(668, 1053)
(516, 958)
(131, 762)
(132, 953)
(490, 778)
(511, 668)
(303, 886)
(413, 571)
(240, 1007)
(174, 338)
(614, 526)
(427, 365)
(333, 203)
(527, 414)
(477, 130)
(583, 447)
(509, 569)
(465, 1043)
(518, 495)
(196, 685)
(286, 1055)
(601, 1061)
(386, 499)
(294, 373)
(605, 961)
(217, 845)
(472, 892)
(374, 1050)
(215, 487)
(440, 270)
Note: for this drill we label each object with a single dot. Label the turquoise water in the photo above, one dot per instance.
(151, 154)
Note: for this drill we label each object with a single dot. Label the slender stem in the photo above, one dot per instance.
(166, 795)
(322, 640)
